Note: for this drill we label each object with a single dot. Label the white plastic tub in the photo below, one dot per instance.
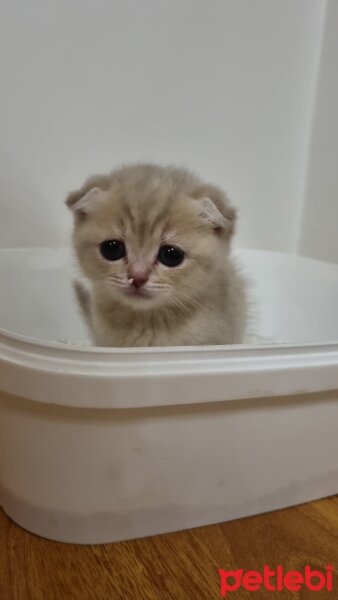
(98, 445)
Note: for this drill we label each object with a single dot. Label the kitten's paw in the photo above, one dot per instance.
(83, 298)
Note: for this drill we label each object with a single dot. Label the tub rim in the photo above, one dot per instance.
(54, 373)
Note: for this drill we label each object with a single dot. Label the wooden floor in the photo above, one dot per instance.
(180, 566)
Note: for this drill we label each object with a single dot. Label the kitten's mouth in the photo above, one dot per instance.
(140, 292)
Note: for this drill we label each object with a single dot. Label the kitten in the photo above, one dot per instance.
(154, 243)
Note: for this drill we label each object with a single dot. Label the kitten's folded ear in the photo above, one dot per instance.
(215, 209)
(84, 200)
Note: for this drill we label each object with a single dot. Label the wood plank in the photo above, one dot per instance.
(180, 566)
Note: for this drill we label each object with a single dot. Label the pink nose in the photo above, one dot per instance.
(139, 280)
(138, 275)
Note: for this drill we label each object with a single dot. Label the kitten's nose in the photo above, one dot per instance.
(139, 281)
(138, 275)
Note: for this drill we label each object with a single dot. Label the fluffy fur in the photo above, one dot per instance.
(201, 301)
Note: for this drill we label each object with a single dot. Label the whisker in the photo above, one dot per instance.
(191, 302)
(179, 303)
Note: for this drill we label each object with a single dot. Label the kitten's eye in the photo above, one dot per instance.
(113, 249)
(171, 256)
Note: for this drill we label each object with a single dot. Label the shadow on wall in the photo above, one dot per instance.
(26, 216)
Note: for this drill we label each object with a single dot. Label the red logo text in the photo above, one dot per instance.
(275, 580)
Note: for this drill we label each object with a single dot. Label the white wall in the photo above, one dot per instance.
(318, 235)
(223, 86)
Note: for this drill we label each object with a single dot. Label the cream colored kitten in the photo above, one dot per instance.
(154, 243)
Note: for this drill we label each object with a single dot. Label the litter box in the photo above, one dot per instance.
(99, 445)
